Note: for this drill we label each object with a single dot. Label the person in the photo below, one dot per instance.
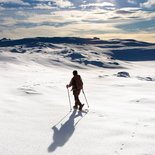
(77, 84)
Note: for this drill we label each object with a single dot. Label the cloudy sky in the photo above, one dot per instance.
(81, 18)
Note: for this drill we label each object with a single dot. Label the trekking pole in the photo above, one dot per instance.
(69, 100)
(85, 98)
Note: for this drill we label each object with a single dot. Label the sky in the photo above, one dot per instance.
(106, 19)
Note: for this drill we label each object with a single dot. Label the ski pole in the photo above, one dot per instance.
(85, 98)
(69, 100)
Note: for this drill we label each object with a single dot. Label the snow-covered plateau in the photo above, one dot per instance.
(119, 84)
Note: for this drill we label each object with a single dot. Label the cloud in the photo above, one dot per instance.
(44, 6)
(130, 9)
(63, 3)
(137, 26)
(2, 8)
(132, 1)
(128, 3)
(141, 35)
(75, 31)
(148, 4)
(55, 17)
(8, 22)
(14, 1)
(123, 12)
(104, 4)
(83, 18)
(11, 1)
(59, 3)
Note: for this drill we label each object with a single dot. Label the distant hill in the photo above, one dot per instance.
(81, 52)
(70, 40)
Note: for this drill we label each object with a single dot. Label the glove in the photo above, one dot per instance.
(67, 86)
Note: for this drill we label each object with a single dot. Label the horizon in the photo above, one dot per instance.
(62, 37)
(105, 19)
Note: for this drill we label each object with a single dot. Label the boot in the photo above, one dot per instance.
(75, 107)
(81, 106)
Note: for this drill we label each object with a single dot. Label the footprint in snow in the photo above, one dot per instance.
(29, 91)
(133, 134)
(121, 148)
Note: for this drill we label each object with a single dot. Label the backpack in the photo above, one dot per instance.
(78, 82)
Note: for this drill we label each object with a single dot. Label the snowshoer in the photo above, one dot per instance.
(77, 85)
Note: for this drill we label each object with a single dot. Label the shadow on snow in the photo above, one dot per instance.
(135, 54)
(62, 135)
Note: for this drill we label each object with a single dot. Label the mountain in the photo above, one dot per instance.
(70, 40)
(80, 52)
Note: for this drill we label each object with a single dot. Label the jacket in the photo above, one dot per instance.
(76, 83)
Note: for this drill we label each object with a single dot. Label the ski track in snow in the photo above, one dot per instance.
(34, 108)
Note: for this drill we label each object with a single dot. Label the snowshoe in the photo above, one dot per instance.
(75, 107)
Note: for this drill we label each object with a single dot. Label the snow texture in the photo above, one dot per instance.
(35, 113)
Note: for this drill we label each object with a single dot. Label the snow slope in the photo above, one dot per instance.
(34, 108)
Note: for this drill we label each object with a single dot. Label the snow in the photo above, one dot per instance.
(34, 107)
